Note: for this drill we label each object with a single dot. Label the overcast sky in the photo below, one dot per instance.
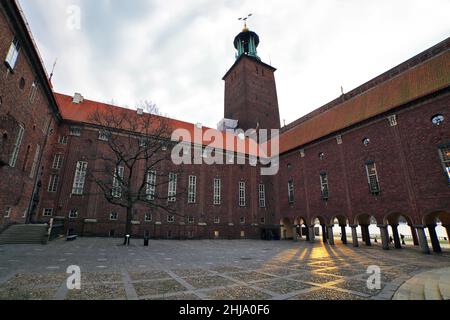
(175, 52)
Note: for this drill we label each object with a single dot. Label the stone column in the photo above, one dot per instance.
(447, 228)
(324, 234)
(414, 236)
(423, 242)
(344, 234)
(434, 239)
(397, 243)
(307, 233)
(366, 234)
(355, 236)
(312, 235)
(384, 236)
(330, 236)
(294, 233)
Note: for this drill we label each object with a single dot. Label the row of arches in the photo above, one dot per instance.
(396, 229)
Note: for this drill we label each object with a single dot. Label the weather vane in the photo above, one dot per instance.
(245, 19)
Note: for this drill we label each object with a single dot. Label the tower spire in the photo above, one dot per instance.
(247, 41)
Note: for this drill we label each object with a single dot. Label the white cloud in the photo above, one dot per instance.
(175, 52)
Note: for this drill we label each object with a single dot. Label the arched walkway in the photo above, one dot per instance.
(364, 221)
(340, 222)
(432, 222)
(301, 228)
(390, 230)
(318, 223)
(286, 229)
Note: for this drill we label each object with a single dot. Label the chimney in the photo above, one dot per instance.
(77, 98)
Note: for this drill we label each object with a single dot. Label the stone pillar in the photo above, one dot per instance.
(355, 236)
(397, 243)
(324, 234)
(312, 234)
(343, 235)
(366, 234)
(307, 233)
(295, 234)
(447, 228)
(423, 242)
(414, 236)
(434, 238)
(384, 236)
(330, 236)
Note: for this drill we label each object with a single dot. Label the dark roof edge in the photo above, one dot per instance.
(386, 76)
(251, 58)
(22, 30)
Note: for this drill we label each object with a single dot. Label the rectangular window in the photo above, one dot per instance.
(53, 184)
(62, 140)
(47, 212)
(262, 196)
(291, 191)
(73, 214)
(445, 158)
(217, 191)
(242, 220)
(242, 199)
(75, 131)
(150, 191)
(172, 192)
(114, 216)
(103, 135)
(35, 161)
(118, 182)
(148, 217)
(191, 219)
(33, 91)
(80, 178)
(263, 220)
(8, 211)
(17, 144)
(324, 185)
(170, 218)
(216, 220)
(57, 161)
(372, 177)
(13, 54)
(192, 190)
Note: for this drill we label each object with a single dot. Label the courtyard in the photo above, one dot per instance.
(207, 270)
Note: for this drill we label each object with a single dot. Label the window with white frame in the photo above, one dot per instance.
(216, 220)
(148, 217)
(13, 54)
(172, 192)
(324, 185)
(73, 214)
(8, 211)
(444, 153)
(191, 219)
(170, 218)
(242, 220)
(103, 135)
(75, 131)
(242, 198)
(62, 139)
(53, 183)
(114, 216)
(263, 220)
(291, 191)
(217, 191)
(17, 144)
(372, 176)
(262, 196)
(150, 191)
(35, 161)
(118, 182)
(57, 161)
(192, 189)
(33, 91)
(47, 212)
(80, 178)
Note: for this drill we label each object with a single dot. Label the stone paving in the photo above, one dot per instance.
(206, 270)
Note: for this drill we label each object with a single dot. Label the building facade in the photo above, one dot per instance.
(379, 154)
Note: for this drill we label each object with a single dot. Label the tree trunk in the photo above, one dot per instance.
(128, 225)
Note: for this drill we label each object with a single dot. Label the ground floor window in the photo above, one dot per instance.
(47, 212)
(73, 214)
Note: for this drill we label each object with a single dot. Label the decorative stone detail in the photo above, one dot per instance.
(339, 139)
(90, 220)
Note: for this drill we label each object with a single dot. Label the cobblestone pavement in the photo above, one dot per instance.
(196, 270)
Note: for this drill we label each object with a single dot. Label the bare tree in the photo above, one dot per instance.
(136, 167)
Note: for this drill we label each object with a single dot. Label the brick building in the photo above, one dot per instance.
(379, 154)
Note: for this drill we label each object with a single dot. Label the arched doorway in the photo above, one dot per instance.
(365, 224)
(301, 228)
(400, 231)
(340, 224)
(318, 227)
(438, 227)
(286, 229)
